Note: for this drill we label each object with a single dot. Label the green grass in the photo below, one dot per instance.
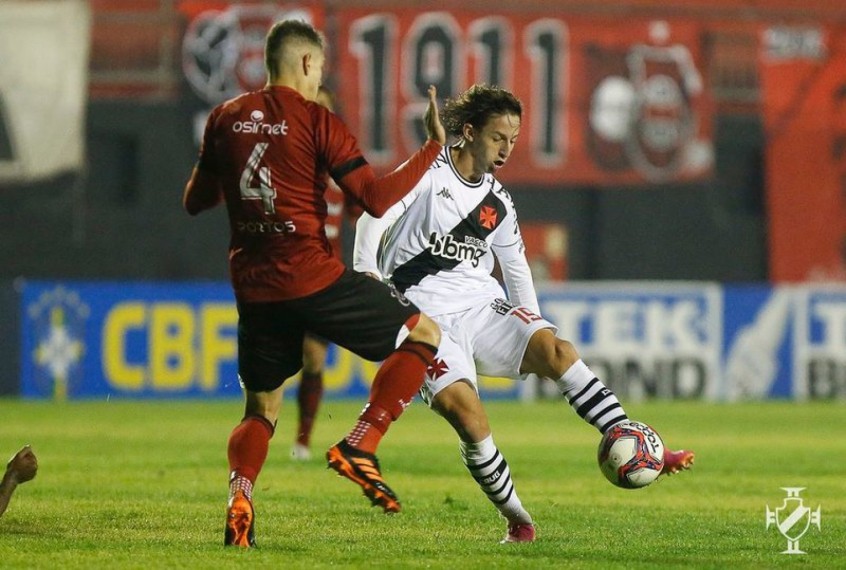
(143, 485)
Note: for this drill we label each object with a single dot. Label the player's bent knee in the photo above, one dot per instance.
(565, 355)
(548, 355)
(426, 330)
(460, 406)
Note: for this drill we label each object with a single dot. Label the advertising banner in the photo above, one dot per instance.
(803, 80)
(645, 340)
(153, 340)
(606, 102)
(103, 340)
(757, 343)
(819, 344)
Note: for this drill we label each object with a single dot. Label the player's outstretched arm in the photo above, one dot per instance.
(21, 468)
(377, 194)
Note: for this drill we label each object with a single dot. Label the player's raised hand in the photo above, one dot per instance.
(434, 128)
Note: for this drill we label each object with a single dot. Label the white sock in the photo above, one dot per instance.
(591, 399)
(490, 470)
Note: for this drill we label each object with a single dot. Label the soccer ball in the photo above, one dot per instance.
(631, 455)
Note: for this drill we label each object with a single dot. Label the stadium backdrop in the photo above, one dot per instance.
(646, 340)
(610, 101)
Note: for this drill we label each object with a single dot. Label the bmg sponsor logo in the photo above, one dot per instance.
(448, 247)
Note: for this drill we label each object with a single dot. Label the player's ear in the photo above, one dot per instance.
(306, 63)
(467, 132)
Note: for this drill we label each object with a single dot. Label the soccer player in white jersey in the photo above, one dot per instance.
(435, 247)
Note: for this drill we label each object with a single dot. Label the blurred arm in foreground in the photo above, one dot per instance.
(21, 468)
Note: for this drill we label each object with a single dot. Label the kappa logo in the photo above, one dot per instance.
(487, 217)
(444, 193)
(793, 519)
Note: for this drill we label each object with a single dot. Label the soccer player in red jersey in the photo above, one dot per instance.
(267, 154)
(315, 348)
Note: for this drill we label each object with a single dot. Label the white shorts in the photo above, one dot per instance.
(489, 339)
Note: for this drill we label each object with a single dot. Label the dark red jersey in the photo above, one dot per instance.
(338, 207)
(268, 153)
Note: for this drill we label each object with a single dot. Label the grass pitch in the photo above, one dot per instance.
(143, 485)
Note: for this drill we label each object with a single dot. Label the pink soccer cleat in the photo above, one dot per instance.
(519, 532)
(675, 461)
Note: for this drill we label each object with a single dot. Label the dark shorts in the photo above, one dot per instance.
(356, 312)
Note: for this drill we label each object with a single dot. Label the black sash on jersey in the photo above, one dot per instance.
(479, 223)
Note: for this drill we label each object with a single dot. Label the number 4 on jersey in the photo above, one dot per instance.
(264, 191)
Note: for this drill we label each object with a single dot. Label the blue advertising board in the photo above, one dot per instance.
(128, 339)
(819, 344)
(644, 339)
(154, 340)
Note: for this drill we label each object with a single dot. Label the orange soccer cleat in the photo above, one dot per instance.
(363, 468)
(240, 522)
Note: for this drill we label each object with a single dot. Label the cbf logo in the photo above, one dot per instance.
(793, 519)
(57, 318)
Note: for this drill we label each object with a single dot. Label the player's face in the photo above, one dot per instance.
(492, 145)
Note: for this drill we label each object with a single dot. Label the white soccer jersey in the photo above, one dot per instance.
(438, 241)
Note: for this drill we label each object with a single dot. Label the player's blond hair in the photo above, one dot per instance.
(283, 39)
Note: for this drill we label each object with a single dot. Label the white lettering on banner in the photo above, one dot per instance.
(654, 377)
(644, 340)
(820, 344)
(832, 319)
(631, 325)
